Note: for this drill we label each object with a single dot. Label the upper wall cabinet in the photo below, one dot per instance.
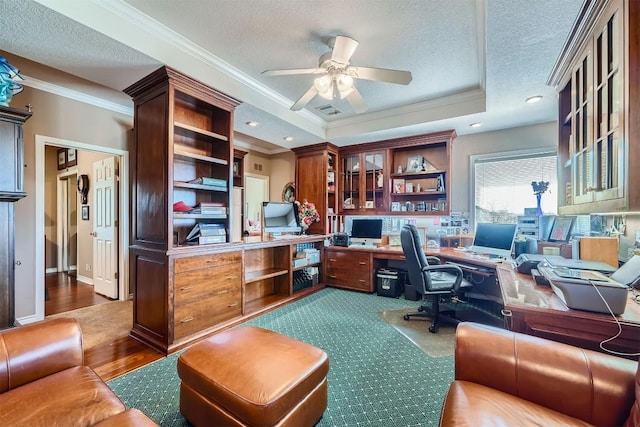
(396, 176)
(183, 158)
(597, 76)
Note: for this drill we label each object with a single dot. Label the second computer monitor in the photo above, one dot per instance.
(366, 231)
(494, 239)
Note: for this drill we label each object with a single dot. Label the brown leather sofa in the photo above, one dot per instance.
(43, 381)
(510, 379)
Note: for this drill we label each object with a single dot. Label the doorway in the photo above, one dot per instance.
(67, 223)
(256, 189)
(37, 276)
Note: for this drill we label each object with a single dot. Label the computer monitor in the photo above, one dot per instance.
(494, 239)
(280, 217)
(366, 231)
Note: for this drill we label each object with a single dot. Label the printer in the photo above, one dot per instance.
(586, 289)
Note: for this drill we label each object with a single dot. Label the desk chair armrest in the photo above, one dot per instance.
(433, 260)
(447, 268)
(595, 387)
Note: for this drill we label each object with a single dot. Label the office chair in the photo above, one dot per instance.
(432, 281)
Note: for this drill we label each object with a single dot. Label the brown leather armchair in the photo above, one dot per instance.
(507, 378)
(43, 381)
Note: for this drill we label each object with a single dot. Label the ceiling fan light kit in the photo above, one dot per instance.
(337, 79)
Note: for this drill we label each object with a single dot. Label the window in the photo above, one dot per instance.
(502, 185)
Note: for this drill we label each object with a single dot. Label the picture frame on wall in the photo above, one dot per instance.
(85, 213)
(72, 158)
(62, 158)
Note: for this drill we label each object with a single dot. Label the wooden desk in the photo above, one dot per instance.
(536, 310)
(529, 308)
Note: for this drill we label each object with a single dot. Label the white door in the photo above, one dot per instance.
(105, 244)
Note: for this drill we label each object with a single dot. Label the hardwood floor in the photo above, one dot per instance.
(111, 360)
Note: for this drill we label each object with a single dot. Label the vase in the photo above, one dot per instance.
(538, 200)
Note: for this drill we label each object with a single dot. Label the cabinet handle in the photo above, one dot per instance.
(332, 276)
(232, 304)
(361, 280)
(589, 189)
(232, 277)
(188, 319)
(362, 263)
(332, 260)
(186, 288)
(226, 291)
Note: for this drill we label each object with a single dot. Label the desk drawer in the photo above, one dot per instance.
(348, 260)
(200, 284)
(196, 316)
(206, 261)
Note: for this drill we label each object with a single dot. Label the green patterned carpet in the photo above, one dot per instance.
(377, 377)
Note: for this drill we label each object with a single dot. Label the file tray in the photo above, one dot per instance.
(581, 294)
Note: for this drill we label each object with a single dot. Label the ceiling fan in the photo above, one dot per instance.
(337, 75)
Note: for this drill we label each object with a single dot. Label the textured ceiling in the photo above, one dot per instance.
(471, 60)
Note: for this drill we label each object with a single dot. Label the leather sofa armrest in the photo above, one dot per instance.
(37, 350)
(131, 417)
(595, 387)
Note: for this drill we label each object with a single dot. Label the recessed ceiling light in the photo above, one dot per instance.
(532, 99)
(288, 138)
(252, 124)
(475, 125)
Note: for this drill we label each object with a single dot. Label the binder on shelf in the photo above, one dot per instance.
(205, 240)
(210, 208)
(202, 229)
(205, 180)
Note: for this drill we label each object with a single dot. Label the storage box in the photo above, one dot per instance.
(388, 283)
(313, 255)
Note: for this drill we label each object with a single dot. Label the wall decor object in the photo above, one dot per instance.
(72, 158)
(8, 85)
(83, 187)
(62, 158)
(414, 164)
(85, 213)
(289, 192)
(236, 168)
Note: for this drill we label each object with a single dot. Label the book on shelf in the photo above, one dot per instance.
(209, 208)
(205, 180)
(440, 183)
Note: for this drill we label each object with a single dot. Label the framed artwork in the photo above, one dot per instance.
(236, 168)
(72, 158)
(62, 158)
(414, 164)
(561, 230)
(85, 213)
(398, 185)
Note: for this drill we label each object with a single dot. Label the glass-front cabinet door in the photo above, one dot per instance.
(363, 182)
(350, 185)
(608, 171)
(581, 147)
(374, 181)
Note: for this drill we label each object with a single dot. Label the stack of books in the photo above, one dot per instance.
(214, 183)
(206, 233)
(209, 208)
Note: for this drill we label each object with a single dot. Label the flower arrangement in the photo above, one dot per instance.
(539, 187)
(307, 213)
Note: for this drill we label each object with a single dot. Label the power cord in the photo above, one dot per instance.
(603, 342)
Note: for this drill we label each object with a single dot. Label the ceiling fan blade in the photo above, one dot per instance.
(343, 48)
(381, 75)
(304, 99)
(294, 71)
(355, 100)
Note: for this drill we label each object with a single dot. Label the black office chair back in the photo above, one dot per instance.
(416, 259)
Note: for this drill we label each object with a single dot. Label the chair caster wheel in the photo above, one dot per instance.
(420, 308)
(433, 329)
(406, 317)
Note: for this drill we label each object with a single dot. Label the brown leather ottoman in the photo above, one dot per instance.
(253, 377)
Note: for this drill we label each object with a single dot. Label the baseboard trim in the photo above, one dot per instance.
(85, 280)
(26, 320)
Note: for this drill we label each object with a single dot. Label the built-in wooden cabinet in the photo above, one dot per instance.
(597, 76)
(11, 190)
(316, 174)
